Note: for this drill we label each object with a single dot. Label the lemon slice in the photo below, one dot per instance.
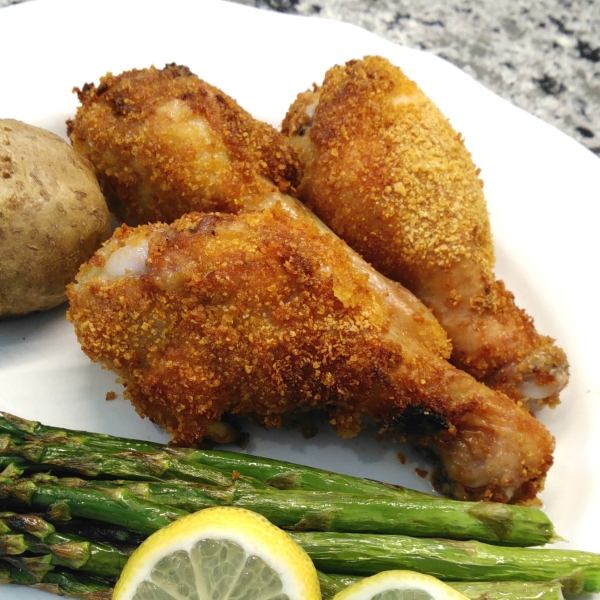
(221, 553)
(399, 585)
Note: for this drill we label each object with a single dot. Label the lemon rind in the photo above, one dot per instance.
(399, 580)
(268, 543)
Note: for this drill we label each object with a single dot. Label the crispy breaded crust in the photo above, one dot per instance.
(387, 172)
(236, 315)
(161, 144)
(416, 166)
(260, 315)
(266, 315)
(128, 124)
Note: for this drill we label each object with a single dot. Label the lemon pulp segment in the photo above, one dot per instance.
(399, 585)
(221, 553)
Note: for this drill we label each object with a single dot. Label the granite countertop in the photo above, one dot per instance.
(542, 55)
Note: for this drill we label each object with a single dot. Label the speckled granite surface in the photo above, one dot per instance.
(543, 55)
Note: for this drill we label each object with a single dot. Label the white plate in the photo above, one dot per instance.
(543, 191)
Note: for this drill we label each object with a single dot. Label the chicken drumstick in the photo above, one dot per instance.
(264, 313)
(386, 171)
(165, 143)
(261, 315)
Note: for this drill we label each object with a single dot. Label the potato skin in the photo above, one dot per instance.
(53, 217)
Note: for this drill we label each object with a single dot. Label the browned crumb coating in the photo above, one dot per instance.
(387, 172)
(164, 143)
(235, 314)
(258, 314)
(394, 160)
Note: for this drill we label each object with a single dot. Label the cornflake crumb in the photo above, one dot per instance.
(401, 458)
(110, 395)
(235, 475)
(421, 472)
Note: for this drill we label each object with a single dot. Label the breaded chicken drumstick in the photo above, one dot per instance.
(165, 143)
(386, 171)
(261, 315)
(264, 314)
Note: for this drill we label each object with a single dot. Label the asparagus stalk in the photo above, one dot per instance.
(66, 550)
(439, 556)
(60, 582)
(150, 466)
(30, 430)
(280, 474)
(25, 523)
(104, 533)
(73, 552)
(96, 455)
(11, 466)
(117, 506)
(331, 584)
(496, 590)
(509, 590)
(306, 510)
(77, 585)
(29, 570)
(11, 544)
(344, 552)
(367, 554)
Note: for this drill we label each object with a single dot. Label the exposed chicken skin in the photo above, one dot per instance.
(386, 171)
(260, 314)
(165, 143)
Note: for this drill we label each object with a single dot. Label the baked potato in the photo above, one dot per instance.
(53, 217)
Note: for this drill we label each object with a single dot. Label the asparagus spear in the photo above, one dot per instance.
(25, 523)
(10, 466)
(509, 590)
(367, 554)
(331, 584)
(60, 582)
(185, 496)
(116, 506)
(66, 550)
(280, 474)
(497, 590)
(305, 510)
(94, 531)
(105, 533)
(345, 552)
(77, 586)
(11, 544)
(73, 552)
(428, 515)
(28, 430)
(93, 588)
(151, 466)
(29, 570)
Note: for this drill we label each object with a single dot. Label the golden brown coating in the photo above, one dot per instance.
(261, 315)
(182, 145)
(266, 315)
(165, 143)
(387, 172)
